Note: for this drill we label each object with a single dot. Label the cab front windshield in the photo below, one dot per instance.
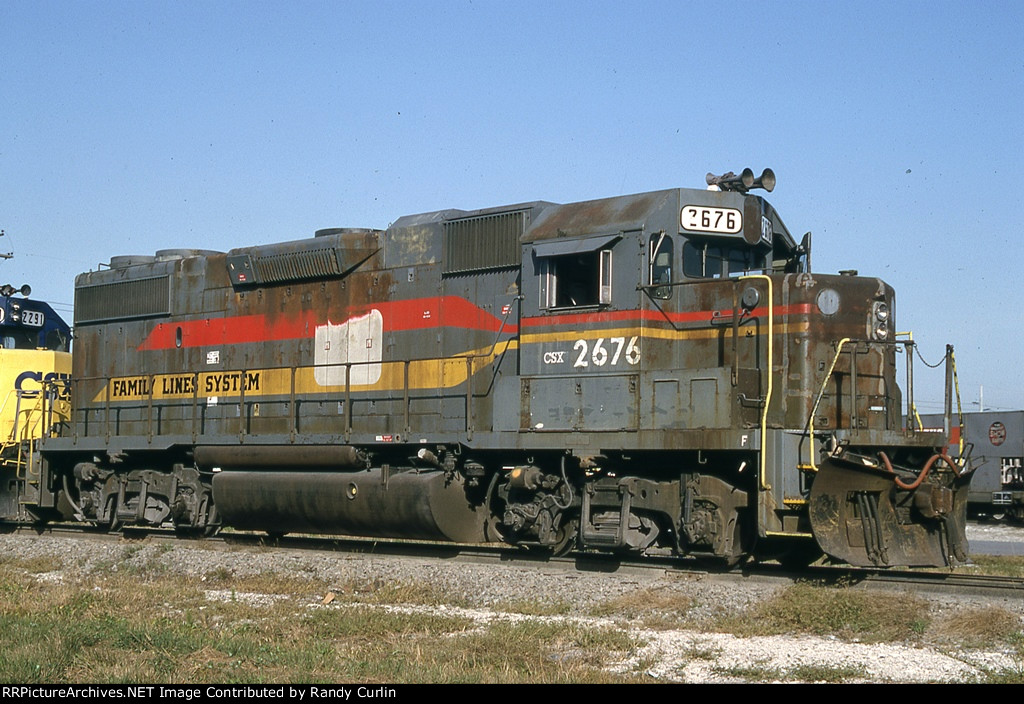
(702, 260)
(14, 338)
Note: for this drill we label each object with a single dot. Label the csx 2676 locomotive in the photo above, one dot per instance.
(654, 372)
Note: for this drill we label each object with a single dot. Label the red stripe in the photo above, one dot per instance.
(414, 314)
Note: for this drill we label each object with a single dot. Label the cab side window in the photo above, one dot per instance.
(577, 280)
(661, 265)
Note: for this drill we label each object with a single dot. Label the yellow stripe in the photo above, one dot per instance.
(423, 374)
(654, 333)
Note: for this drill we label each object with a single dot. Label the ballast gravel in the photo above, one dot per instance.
(485, 591)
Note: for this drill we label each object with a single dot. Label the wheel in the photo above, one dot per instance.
(800, 556)
(495, 510)
(194, 532)
(188, 532)
(567, 534)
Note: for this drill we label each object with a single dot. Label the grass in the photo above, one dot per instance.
(980, 627)
(140, 623)
(35, 565)
(116, 628)
(822, 674)
(1001, 566)
(651, 608)
(850, 614)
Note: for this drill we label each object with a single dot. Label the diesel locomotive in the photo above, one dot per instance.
(35, 364)
(652, 373)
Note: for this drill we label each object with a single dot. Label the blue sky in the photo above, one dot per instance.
(894, 129)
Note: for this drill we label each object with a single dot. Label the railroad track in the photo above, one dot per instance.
(938, 582)
(933, 581)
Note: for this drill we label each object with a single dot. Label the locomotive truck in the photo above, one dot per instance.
(652, 373)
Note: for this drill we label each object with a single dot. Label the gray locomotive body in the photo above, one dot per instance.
(656, 372)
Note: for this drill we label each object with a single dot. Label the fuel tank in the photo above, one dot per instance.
(424, 505)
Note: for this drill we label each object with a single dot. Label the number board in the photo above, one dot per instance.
(33, 318)
(705, 218)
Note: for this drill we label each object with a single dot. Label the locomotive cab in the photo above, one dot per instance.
(762, 395)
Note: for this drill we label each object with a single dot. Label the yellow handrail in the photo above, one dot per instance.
(821, 393)
(959, 406)
(23, 434)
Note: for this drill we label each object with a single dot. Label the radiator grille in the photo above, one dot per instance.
(122, 300)
(252, 269)
(484, 242)
(297, 266)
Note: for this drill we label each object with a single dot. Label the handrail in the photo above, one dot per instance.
(959, 405)
(913, 417)
(3, 408)
(31, 423)
(763, 466)
(821, 393)
(21, 430)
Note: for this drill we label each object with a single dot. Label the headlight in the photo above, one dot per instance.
(880, 320)
(881, 312)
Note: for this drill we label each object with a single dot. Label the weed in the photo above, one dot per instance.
(535, 608)
(656, 609)
(702, 652)
(849, 613)
(979, 627)
(1001, 565)
(1014, 675)
(219, 575)
(380, 591)
(827, 674)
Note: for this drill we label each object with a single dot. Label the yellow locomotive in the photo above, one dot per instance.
(35, 365)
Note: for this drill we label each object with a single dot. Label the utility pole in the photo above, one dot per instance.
(9, 254)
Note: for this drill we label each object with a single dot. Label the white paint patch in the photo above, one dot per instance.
(358, 341)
